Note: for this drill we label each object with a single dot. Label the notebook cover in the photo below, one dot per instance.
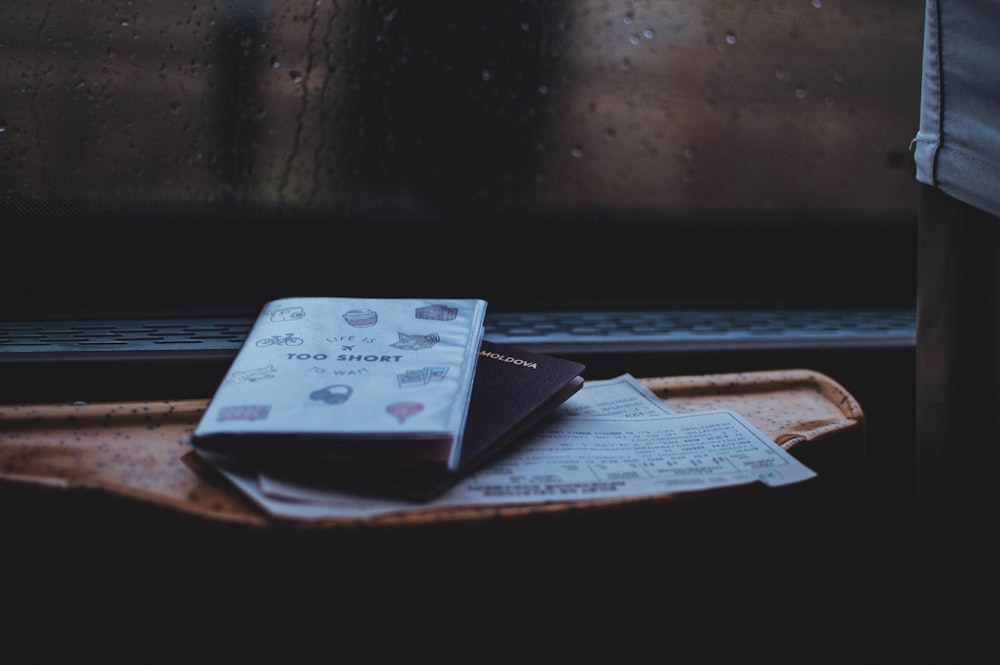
(379, 381)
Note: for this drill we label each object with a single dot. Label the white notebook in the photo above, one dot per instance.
(379, 381)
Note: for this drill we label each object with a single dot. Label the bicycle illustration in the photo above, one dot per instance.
(278, 340)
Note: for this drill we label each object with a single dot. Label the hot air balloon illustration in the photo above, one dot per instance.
(404, 410)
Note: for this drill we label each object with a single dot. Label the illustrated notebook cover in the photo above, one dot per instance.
(372, 381)
(513, 390)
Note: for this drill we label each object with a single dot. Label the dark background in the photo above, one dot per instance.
(202, 159)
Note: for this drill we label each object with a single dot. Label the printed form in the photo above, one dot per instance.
(613, 439)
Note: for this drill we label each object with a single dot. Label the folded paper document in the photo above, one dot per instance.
(611, 440)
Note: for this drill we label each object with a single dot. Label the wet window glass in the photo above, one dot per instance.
(451, 106)
(358, 112)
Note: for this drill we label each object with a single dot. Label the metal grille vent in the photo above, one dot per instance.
(723, 325)
(728, 326)
(144, 335)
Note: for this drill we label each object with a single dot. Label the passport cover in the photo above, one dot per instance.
(374, 381)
